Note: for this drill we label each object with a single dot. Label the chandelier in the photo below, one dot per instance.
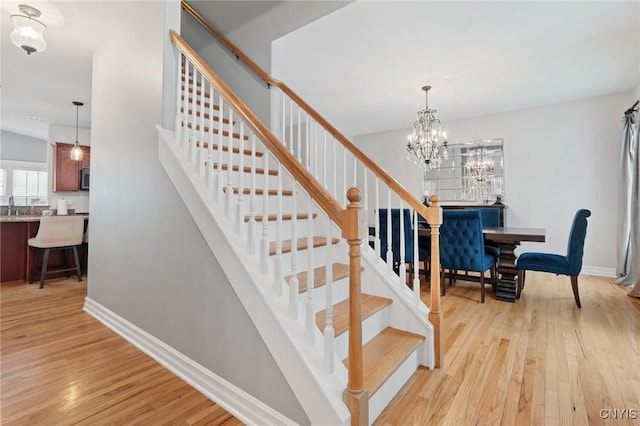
(427, 144)
(28, 32)
(479, 165)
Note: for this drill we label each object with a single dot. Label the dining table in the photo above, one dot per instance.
(507, 239)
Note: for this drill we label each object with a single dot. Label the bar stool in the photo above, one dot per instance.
(57, 233)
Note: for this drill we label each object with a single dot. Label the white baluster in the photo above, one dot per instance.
(253, 238)
(299, 145)
(230, 169)
(416, 259)
(264, 252)
(389, 235)
(240, 207)
(210, 151)
(186, 112)
(219, 169)
(324, 161)
(307, 157)
(201, 148)
(344, 177)
(284, 120)
(291, 126)
(194, 119)
(376, 211)
(310, 308)
(329, 333)
(334, 167)
(355, 170)
(179, 93)
(402, 268)
(278, 260)
(294, 285)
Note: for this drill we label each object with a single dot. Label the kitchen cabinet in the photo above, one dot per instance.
(66, 172)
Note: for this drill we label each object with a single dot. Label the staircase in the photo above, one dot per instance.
(357, 333)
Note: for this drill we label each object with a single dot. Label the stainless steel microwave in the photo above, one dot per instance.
(84, 178)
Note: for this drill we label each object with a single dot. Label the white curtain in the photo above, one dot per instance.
(628, 267)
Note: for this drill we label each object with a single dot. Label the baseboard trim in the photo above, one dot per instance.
(598, 271)
(233, 399)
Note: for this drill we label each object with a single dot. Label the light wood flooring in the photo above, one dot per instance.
(539, 361)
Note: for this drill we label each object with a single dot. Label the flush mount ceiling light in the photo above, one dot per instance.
(76, 151)
(28, 33)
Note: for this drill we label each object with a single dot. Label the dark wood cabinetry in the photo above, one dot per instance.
(66, 172)
(17, 257)
(502, 208)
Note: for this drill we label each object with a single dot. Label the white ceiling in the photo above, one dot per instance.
(362, 66)
(44, 84)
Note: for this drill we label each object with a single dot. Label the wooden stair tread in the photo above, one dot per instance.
(301, 244)
(260, 191)
(370, 305)
(382, 355)
(246, 169)
(215, 131)
(206, 116)
(225, 148)
(197, 102)
(274, 217)
(340, 270)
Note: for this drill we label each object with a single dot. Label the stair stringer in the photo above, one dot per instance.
(319, 393)
(406, 313)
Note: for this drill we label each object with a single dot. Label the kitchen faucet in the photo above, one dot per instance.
(12, 205)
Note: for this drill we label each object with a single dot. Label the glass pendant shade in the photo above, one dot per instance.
(427, 144)
(76, 151)
(28, 33)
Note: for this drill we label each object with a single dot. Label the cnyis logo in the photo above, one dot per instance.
(619, 414)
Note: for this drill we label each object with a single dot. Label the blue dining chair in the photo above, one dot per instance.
(570, 265)
(462, 246)
(395, 237)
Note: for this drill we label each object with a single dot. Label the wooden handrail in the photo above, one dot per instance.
(322, 197)
(377, 170)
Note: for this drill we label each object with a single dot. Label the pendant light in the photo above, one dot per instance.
(76, 151)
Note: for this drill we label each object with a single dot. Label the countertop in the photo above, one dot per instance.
(32, 218)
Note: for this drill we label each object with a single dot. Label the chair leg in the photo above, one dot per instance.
(494, 278)
(443, 286)
(521, 275)
(32, 273)
(45, 261)
(482, 288)
(77, 259)
(574, 285)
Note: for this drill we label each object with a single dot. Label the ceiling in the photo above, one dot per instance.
(363, 66)
(44, 85)
(480, 58)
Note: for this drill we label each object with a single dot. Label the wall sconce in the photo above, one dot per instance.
(28, 33)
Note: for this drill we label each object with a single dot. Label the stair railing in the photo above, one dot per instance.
(206, 110)
(338, 164)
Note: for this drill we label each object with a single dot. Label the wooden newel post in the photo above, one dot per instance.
(355, 396)
(435, 315)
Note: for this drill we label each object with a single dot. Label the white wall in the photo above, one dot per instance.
(17, 147)
(78, 200)
(558, 159)
(148, 262)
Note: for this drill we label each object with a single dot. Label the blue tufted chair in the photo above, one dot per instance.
(395, 237)
(462, 245)
(490, 217)
(570, 265)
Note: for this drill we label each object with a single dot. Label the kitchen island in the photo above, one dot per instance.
(16, 257)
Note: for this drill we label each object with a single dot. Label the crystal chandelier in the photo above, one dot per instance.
(479, 165)
(427, 144)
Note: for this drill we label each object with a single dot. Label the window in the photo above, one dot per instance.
(26, 181)
(29, 187)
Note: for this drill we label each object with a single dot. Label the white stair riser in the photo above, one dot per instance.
(370, 328)
(340, 291)
(319, 259)
(389, 389)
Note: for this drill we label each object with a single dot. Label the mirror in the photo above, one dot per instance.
(474, 171)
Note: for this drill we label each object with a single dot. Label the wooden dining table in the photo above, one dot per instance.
(507, 239)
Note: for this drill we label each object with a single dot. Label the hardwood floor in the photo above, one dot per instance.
(60, 366)
(539, 361)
